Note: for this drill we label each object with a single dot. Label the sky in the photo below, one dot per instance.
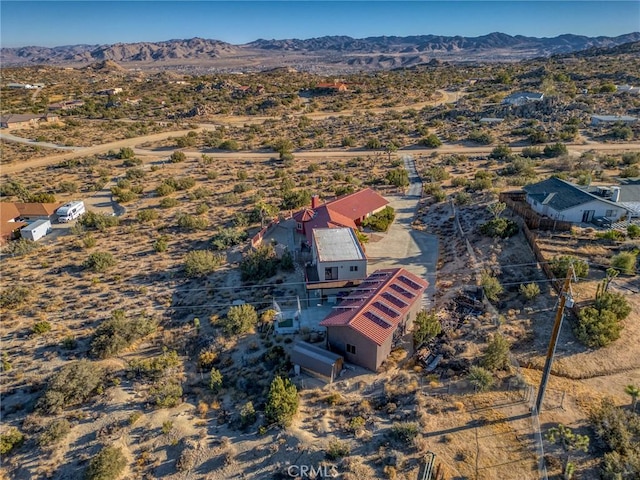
(55, 23)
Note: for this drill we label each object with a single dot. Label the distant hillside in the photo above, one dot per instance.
(323, 53)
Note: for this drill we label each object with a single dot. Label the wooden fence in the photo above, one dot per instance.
(516, 201)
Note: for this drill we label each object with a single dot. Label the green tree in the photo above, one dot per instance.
(431, 141)
(259, 264)
(426, 326)
(496, 355)
(398, 177)
(496, 208)
(480, 378)
(215, 380)
(491, 286)
(555, 150)
(177, 157)
(126, 153)
(569, 442)
(634, 393)
(282, 402)
(240, 319)
(597, 328)
(73, 384)
(199, 263)
(501, 152)
(560, 266)
(107, 465)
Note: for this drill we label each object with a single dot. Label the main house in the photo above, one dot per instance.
(374, 316)
(561, 200)
(346, 211)
(522, 98)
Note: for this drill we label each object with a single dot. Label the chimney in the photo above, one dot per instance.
(616, 194)
(315, 201)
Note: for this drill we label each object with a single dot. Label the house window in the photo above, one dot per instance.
(299, 226)
(353, 268)
(610, 213)
(351, 349)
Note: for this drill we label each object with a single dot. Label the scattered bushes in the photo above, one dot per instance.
(555, 150)
(380, 222)
(99, 262)
(337, 449)
(72, 385)
(259, 264)
(404, 432)
(491, 286)
(398, 177)
(625, 262)
(98, 221)
(240, 319)
(530, 290)
(282, 402)
(14, 296)
(483, 138)
(426, 326)
(481, 379)
(166, 394)
(55, 432)
(118, 332)
(177, 157)
(496, 355)
(215, 380)
(431, 141)
(228, 237)
(107, 465)
(500, 227)
(10, 440)
(154, 368)
(147, 215)
(560, 266)
(599, 325)
(21, 246)
(41, 327)
(200, 263)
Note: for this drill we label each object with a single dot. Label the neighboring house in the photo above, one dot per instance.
(68, 105)
(338, 255)
(317, 361)
(110, 91)
(25, 120)
(610, 119)
(26, 86)
(626, 194)
(346, 211)
(491, 120)
(627, 88)
(332, 87)
(366, 324)
(37, 211)
(522, 98)
(10, 223)
(566, 202)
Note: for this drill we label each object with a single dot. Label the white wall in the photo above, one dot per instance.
(344, 270)
(574, 214)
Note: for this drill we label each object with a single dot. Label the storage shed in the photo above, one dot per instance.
(317, 361)
(36, 230)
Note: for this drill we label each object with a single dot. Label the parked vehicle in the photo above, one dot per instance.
(36, 230)
(70, 211)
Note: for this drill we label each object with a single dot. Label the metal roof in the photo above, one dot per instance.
(560, 195)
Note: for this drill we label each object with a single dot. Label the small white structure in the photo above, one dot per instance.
(337, 255)
(521, 98)
(36, 230)
(70, 211)
(609, 119)
(490, 120)
(627, 88)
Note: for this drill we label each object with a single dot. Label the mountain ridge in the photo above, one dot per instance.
(377, 52)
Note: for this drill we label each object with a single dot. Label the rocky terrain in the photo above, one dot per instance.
(336, 53)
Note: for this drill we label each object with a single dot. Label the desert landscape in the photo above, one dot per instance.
(154, 336)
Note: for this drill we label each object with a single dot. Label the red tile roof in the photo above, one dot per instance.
(376, 307)
(8, 213)
(37, 209)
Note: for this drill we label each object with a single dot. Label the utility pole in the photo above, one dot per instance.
(565, 297)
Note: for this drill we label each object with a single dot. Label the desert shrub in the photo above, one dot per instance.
(483, 138)
(147, 215)
(89, 241)
(633, 231)
(380, 222)
(168, 202)
(55, 432)
(199, 263)
(259, 264)
(107, 465)
(491, 286)
(177, 157)
(293, 199)
(613, 235)
(500, 227)
(13, 438)
(161, 244)
(164, 189)
(436, 174)
(154, 368)
(21, 246)
(14, 296)
(41, 327)
(501, 152)
(426, 326)
(398, 177)
(355, 424)
(431, 141)
(625, 262)
(123, 196)
(192, 222)
(241, 187)
(118, 332)
(496, 355)
(560, 266)
(228, 237)
(404, 432)
(135, 174)
(555, 150)
(480, 378)
(126, 152)
(229, 145)
(98, 221)
(282, 402)
(247, 415)
(597, 328)
(614, 302)
(337, 449)
(459, 182)
(463, 198)
(215, 380)
(166, 394)
(72, 385)
(532, 152)
(240, 319)
(99, 262)
(529, 291)
(373, 144)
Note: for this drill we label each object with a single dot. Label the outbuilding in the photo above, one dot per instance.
(36, 230)
(317, 361)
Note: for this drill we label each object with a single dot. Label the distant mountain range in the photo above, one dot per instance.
(338, 53)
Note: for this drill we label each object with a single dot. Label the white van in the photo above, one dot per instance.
(70, 211)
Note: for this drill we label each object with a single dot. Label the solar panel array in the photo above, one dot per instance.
(409, 282)
(385, 309)
(376, 319)
(394, 300)
(402, 291)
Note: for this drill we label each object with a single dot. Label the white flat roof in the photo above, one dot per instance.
(337, 244)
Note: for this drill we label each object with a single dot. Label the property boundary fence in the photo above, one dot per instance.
(516, 202)
(256, 240)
